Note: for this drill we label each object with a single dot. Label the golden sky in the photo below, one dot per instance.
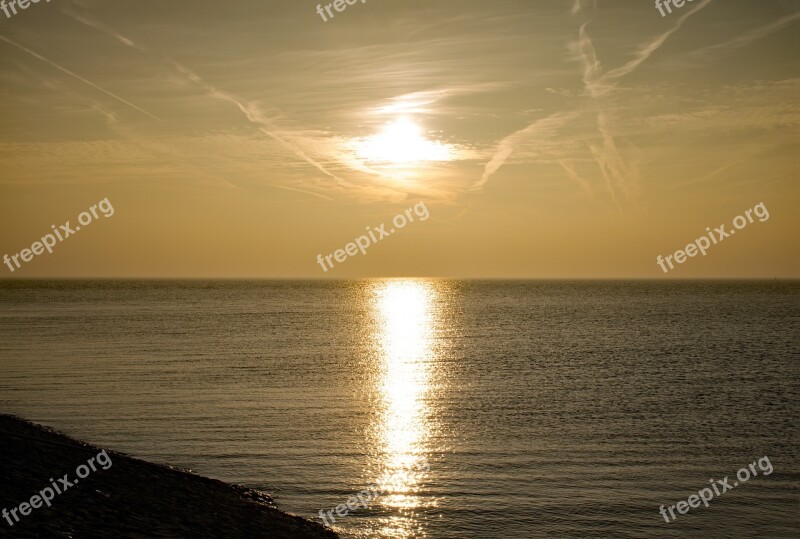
(546, 138)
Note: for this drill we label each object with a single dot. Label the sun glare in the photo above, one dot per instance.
(401, 142)
(406, 319)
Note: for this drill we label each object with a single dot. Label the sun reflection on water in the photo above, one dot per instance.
(405, 317)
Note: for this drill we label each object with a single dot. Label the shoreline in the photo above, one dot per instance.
(121, 496)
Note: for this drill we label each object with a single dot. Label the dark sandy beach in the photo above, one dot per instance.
(131, 498)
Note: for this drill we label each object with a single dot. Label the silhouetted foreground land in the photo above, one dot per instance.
(131, 498)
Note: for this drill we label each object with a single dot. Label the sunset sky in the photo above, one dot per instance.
(547, 138)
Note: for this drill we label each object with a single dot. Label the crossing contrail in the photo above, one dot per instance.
(68, 72)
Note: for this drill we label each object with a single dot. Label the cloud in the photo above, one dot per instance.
(250, 110)
(578, 5)
(598, 84)
(573, 174)
(649, 48)
(103, 28)
(620, 177)
(746, 38)
(541, 129)
(70, 73)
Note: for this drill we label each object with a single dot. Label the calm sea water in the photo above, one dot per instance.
(543, 409)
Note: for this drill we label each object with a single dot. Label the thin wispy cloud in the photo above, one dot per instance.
(621, 178)
(250, 110)
(648, 49)
(580, 5)
(75, 75)
(746, 38)
(585, 184)
(256, 117)
(582, 116)
(599, 83)
(102, 27)
(317, 148)
(540, 129)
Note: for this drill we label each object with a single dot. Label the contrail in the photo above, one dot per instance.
(752, 35)
(618, 174)
(599, 85)
(653, 46)
(103, 28)
(264, 125)
(299, 191)
(68, 72)
(507, 146)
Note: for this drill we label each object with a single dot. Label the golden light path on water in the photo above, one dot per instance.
(405, 317)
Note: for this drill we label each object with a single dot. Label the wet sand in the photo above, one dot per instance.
(131, 498)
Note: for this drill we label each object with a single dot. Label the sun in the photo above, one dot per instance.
(401, 142)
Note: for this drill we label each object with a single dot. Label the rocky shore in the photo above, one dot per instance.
(119, 496)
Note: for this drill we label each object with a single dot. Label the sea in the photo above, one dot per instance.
(484, 409)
